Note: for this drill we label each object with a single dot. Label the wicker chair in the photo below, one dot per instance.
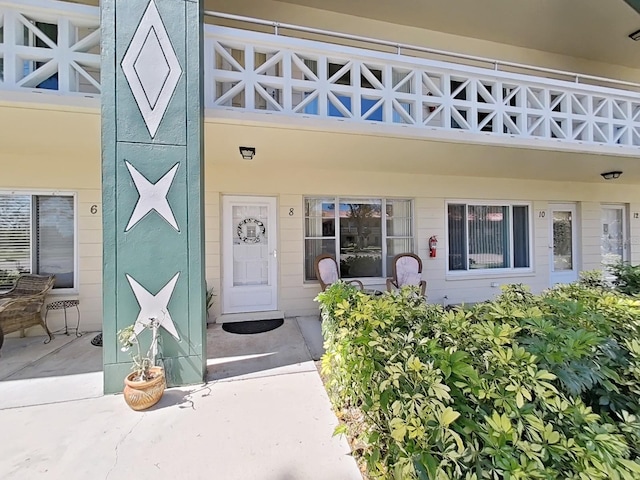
(407, 270)
(21, 307)
(327, 272)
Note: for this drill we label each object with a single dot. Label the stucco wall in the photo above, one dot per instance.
(48, 148)
(290, 164)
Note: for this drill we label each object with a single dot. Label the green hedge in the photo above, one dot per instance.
(524, 387)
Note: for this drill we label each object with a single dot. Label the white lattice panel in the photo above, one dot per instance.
(49, 46)
(54, 46)
(280, 75)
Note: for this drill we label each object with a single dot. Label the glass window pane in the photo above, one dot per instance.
(521, 257)
(399, 220)
(320, 227)
(612, 240)
(319, 217)
(396, 246)
(360, 238)
(488, 236)
(249, 229)
(313, 248)
(55, 239)
(15, 238)
(562, 241)
(457, 237)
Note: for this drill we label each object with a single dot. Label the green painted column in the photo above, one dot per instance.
(152, 182)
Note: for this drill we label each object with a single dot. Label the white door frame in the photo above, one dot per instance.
(248, 298)
(564, 276)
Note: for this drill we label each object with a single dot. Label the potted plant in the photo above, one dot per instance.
(146, 383)
(209, 301)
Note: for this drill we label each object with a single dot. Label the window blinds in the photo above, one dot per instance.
(54, 239)
(15, 235)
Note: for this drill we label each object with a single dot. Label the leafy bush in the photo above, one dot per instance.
(594, 279)
(627, 278)
(524, 387)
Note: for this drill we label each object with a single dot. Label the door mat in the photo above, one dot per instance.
(254, 326)
(97, 340)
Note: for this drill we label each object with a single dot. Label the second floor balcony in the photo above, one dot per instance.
(52, 48)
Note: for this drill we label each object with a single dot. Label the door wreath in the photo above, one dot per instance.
(251, 230)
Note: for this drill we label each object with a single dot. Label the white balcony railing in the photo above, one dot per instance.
(49, 46)
(53, 47)
(280, 75)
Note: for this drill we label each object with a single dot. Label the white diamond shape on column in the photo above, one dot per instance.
(151, 68)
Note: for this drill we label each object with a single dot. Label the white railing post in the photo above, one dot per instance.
(65, 40)
(11, 37)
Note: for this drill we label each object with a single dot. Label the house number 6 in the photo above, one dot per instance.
(94, 209)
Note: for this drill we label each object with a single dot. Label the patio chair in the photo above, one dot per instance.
(407, 270)
(21, 307)
(327, 272)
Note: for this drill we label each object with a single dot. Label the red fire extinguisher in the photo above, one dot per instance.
(433, 244)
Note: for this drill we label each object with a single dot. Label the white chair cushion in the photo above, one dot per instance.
(407, 271)
(328, 271)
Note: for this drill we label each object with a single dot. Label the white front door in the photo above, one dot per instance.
(614, 239)
(564, 242)
(249, 254)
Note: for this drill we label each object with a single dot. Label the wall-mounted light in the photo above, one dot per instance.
(635, 35)
(248, 152)
(611, 175)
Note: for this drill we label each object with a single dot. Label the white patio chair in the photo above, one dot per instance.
(327, 272)
(407, 270)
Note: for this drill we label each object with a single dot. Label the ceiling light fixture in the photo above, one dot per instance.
(635, 35)
(611, 175)
(248, 152)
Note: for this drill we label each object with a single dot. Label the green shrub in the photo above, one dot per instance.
(524, 387)
(627, 278)
(594, 279)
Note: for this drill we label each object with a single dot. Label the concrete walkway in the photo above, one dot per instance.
(263, 414)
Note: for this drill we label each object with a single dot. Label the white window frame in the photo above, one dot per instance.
(383, 228)
(56, 193)
(501, 272)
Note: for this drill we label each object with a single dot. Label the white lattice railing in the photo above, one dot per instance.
(54, 47)
(46, 45)
(280, 75)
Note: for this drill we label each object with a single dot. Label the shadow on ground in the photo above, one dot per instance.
(289, 348)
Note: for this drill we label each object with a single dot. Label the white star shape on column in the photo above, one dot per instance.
(154, 306)
(153, 196)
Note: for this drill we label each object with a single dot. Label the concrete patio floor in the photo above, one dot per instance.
(263, 414)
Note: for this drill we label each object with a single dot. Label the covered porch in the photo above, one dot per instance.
(262, 413)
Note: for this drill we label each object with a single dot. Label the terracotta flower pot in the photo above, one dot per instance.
(142, 394)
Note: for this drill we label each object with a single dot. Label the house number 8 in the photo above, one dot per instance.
(94, 209)
(291, 212)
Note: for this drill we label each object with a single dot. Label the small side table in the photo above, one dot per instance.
(63, 305)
